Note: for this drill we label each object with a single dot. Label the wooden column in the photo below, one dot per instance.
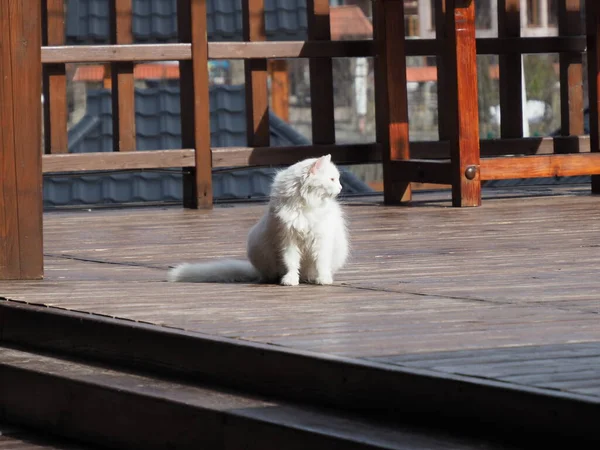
(460, 61)
(391, 101)
(54, 80)
(571, 70)
(257, 94)
(511, 107)
(122, 82)
(21, 252)
(195, 104)
(321, 75)
(592, 11)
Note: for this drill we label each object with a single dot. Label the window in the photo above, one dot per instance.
(553, 12)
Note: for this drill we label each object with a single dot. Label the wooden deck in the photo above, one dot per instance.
(507, 291)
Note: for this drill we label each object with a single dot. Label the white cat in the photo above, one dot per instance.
(302, 237)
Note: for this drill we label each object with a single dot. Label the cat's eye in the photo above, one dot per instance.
(332, 179)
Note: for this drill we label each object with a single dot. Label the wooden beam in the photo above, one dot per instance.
(511, 107)
(540, 166)
(195, 104)
(461, 75)
(85, 162)
(257, 95)
(592, 9)
(391, 101)
(54, 80)
(321, 75)
(21, 249)
(122, 82)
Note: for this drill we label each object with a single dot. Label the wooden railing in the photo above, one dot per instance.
(459, 157)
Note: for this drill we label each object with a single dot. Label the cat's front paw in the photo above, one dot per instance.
(324, 279)
(290, 279)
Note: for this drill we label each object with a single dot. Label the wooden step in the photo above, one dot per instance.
(396, 394)
(19, 438)
(122, 409)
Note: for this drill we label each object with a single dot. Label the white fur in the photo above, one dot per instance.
(301, 237)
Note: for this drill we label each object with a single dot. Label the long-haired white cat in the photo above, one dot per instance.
(301, 237)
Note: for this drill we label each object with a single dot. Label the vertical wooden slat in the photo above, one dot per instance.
(122, 81)
(592, 11)
(21, 252)
(257, 94)
(195, 104)
(440, 33)
(511, 109)
(280, 88)
(391, 101)
(571, 70)
(54, 80)
(461, 75)
(321, 74)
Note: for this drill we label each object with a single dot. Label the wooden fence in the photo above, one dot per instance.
(459, 158)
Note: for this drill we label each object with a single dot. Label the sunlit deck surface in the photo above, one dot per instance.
(508, 291)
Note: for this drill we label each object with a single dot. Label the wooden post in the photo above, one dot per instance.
(54, 80)
(511, 108)
(122, 82)
(463, 114)
(21, 252)
(321, 75)
(592, 11)
(391, 107)
(257, 95)
(195, 104)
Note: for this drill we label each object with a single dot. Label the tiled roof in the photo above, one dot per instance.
(158, 127)
(156, 20)
(350, 22)
(158, 123)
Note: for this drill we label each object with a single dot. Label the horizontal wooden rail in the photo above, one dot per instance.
(295, 49)
(221, 157)
(82, 162)
(540, 166)
(115, 53)
(265, 156)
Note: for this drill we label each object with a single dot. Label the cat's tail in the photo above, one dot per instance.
(223, 271)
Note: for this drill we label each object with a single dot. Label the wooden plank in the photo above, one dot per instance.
(256, 75)
(570, 23)
(54, 81)
(195, 104)
(113, 53)
(274, 156)
(540, 166)
(122, 81)
(391, 101)
(422, 171)
(593, 63)
(20, 153)
(511, 66)
(461, 71)
(444, 124)
(82, 162)
(290, 49)
(321, 75)
(297, 49)
(280, 88)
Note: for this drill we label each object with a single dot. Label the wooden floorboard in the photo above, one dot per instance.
(501, 282)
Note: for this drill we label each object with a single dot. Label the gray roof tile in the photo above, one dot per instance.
(158, 123)
(156, 20)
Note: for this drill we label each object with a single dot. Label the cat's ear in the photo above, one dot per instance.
(319, 163)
